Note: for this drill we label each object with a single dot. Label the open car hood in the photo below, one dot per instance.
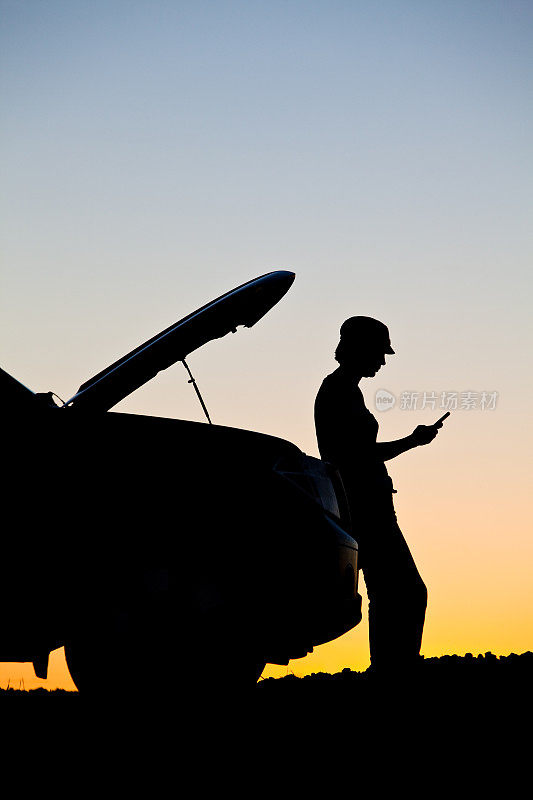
(244, 305)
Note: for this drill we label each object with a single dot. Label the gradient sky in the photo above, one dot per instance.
(156, 154)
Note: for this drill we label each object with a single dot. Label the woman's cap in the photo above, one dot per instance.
(357, 329)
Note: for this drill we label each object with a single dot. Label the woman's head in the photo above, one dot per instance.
(363, 345)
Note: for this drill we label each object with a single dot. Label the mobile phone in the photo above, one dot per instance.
(447, 414)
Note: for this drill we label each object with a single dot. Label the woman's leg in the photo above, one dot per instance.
(397, 599)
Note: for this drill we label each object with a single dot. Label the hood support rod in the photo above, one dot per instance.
(197, 390)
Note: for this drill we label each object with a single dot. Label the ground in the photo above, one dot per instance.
(461, 719)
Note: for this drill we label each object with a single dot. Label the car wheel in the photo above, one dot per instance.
(119, 653)
(85, 667)
(259, 668)
(223, 662)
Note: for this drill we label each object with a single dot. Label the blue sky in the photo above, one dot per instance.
(155, 154)
(161, 152)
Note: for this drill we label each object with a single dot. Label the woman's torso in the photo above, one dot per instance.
(346, 434)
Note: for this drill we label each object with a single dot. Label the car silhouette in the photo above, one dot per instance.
(162, 550)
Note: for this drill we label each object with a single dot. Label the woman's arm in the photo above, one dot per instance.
(422, 434)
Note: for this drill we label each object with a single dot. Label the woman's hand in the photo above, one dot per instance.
(424, 434)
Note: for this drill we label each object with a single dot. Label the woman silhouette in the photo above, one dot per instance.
(346, 433)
